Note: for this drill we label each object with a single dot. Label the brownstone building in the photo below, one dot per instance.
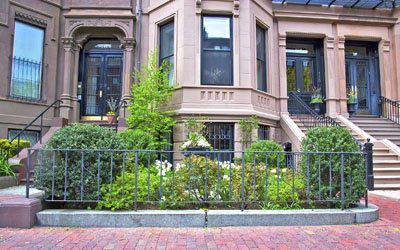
(231, 59)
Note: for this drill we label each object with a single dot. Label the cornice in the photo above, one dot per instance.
(30, 19)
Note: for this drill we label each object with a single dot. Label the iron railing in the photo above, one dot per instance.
(389, 109)
(309, 117)
(26, 77)
(141, 177)
(114, 122)
(55, 103)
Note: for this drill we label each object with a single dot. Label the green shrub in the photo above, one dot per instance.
(148, 188)
(4, 145)
(332, 139)
(134, 139)
(266, 145)
(78, 136)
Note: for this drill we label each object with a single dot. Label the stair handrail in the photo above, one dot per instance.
(122, 103)
(389, 109)
(34, 120)
(316, 119)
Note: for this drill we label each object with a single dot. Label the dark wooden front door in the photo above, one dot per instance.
(102, 81)
(361, 74)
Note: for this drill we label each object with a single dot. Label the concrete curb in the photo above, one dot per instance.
(97, 218)
(223, 218)
(210, 218)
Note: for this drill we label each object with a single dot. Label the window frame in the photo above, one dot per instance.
(42, 27)
(202, 49)
(263, 130)
(264, 86)
(160, 40)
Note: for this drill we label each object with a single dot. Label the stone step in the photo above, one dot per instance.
(383, 156)
(386, 171)
(387, 186)
(386, 163)
(392, 179)
(374, 129)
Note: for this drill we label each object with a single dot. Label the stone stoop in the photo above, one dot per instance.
(56, 124)
(386, 154)
(19, 212)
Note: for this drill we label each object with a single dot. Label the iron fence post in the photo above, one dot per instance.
(369, 164)
(380, 106)
(28, 169)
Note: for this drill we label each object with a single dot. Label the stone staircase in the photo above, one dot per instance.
(386, 160)
(379, 128)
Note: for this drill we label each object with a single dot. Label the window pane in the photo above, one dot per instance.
(261, 75)
(263, 132)
(170, 63)
(307, 75)
(260, 43)
(27, 61)
(216, 68)
(216, 33)
(291, 75)
(356, 50)
(167, 40)
(300, 48)
(261, 70)
(103, 45)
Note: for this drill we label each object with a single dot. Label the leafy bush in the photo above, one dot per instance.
(148, 188)
(78, 136)
(134, 139)
(5, 145)
(266, 145)
(332, 139)
(5, 167)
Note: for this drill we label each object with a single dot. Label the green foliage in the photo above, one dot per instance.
(78, 136)
(292, 188)
(135, 139)
(247, 126)
(5, 167)
(332, 139)
(123, 189)
(150, 99)
(316, 99)
(266, 145)
(196, 124)
(4, 145)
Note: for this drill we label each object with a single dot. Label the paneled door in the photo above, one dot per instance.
(102, 81)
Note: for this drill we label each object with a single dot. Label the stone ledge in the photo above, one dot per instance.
(223, 218)
(144, 218)
(200, 218)
(19, 212)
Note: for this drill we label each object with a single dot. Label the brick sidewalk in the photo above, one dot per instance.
(382, 234)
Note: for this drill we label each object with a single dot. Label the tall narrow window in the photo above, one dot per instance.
(216, 56)
(167, 48)
(26, 75)
(261, 59)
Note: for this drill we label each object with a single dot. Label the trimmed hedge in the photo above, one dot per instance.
(4, 145)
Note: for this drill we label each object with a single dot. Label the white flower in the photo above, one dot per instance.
(284, 170)
(275, 176)
(226, 177)
(273, 171)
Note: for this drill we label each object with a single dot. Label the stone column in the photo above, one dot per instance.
(341, 69)
(385, 65)
(75, 113)
(128, 45)
(282, 74)
(66, 96)
(330, 80)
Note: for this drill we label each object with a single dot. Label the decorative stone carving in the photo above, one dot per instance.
(74, 24)
(330, 42)
(128, 43)
(236, 8)
(341, 40)
(198, 7)
(386, 46)
(282, 40)
(30, 19)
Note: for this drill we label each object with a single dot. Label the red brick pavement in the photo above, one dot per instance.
(382, 234)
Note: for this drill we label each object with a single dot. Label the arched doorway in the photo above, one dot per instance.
(101, 65)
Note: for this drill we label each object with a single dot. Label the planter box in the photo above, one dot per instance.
(7, 181)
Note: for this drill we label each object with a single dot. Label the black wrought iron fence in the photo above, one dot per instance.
(128, 178)
(389, 109)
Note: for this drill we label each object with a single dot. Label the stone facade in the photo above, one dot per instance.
(69, 24)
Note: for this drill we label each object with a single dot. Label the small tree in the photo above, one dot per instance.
(247, 126)
(150, 100)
